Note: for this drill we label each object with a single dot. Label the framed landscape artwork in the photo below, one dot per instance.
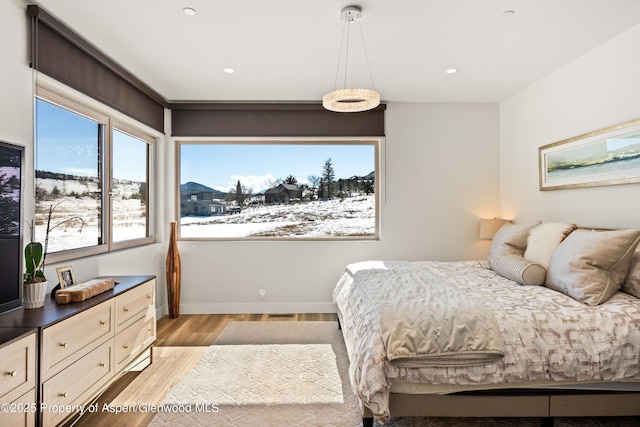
(604, 157)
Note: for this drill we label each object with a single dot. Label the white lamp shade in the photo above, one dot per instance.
(489, 227)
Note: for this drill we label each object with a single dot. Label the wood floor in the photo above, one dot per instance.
(196, 330)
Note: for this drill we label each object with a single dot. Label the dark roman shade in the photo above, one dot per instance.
(63, 55)
(271, 119)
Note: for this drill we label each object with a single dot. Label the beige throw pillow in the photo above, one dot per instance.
(591, 266)
(632, 284)
(510, 239)
(544, 239)
(518, 269)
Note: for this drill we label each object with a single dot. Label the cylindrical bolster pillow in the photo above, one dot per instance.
(518, 269)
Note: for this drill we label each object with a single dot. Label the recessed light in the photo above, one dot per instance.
(452, 71)
(189, 11)
(229, 70)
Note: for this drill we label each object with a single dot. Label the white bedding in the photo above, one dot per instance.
(547, 336)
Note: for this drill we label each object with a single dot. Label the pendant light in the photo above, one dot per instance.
(349, 100)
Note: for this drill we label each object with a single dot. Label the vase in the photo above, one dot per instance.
(173, 273)
(34, 294)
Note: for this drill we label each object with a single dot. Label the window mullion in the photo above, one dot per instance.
(107, 171)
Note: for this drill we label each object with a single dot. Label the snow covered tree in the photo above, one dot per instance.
(328, 176)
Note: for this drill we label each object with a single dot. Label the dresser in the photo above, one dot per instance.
(18, 376)
(79, 349)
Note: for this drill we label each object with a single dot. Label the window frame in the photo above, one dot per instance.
(135, 133)
(63, 97)
(376, 142)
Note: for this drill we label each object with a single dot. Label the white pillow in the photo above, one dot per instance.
(544, 239)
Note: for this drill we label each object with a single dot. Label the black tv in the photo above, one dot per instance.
(11, 165)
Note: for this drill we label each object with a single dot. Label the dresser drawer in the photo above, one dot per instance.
(134, 304)
(78, 382)
(68, 340)
(22, 411)
(134, 340)
(17, 368)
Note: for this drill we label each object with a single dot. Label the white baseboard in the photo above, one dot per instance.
(251, 308)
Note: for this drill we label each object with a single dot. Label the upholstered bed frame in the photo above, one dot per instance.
(609, 399)
(543, 403)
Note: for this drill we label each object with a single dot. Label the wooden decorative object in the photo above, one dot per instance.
(173, 273)
(84, 290)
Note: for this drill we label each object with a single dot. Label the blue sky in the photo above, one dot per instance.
(67, 144)
(63, 141)
(220, 166)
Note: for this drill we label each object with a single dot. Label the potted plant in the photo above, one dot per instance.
(34, 281)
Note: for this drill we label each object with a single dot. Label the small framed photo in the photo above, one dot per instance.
(66, 276)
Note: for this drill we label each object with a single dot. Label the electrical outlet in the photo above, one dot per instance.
(262, 293)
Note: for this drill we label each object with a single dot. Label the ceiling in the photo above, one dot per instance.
(287, 50)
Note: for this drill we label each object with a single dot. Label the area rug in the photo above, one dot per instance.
(344, 411)
(346, 414)
(271, 374)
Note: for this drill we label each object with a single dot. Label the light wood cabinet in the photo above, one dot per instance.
(71, 339)
(76, 384)
(78, 348)
(18, 368)
(135, 323)
(18, 382)
(135, 304)
(22, 411)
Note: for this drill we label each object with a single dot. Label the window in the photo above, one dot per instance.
(315, 189)
(92, 179)
(130, 207)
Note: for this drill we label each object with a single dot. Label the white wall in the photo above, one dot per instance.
(16, 125)
(16, 89)
(597, 90)
(441, 163)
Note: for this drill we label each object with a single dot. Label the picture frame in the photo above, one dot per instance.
(66, 276)
(608, 156)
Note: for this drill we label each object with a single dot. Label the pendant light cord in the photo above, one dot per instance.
(335, 82)
(366, 55)
(345, 28)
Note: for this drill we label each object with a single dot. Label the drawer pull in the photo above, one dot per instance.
(102, 322)
(126, 309)
(148, 296)
(12, 373)
(149, 330)
(125, 346)
(63, 394)
(63, 344)
(103, 364)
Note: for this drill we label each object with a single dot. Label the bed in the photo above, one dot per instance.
(507, 337)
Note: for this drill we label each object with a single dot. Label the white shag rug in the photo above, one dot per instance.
(275, 374)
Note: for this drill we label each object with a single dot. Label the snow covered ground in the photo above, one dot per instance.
(354, 216)
(129, 214)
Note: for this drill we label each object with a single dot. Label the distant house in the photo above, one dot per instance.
(283, 193)
(202, 204)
